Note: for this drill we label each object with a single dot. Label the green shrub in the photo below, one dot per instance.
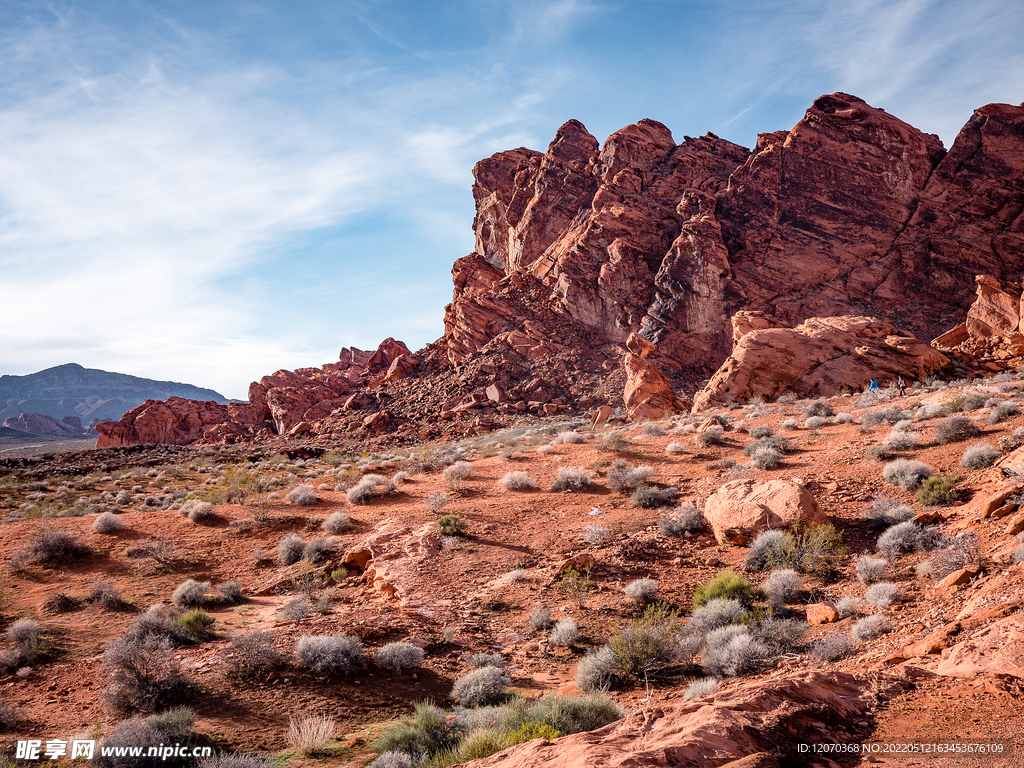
(773, 550)
(727, 585)
(190, 594)
(647, 642)
(451, 525)
(937, 490)
(649, 496)
(193, 625)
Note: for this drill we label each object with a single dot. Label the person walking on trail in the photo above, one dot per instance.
(873, 386)
(902, 385)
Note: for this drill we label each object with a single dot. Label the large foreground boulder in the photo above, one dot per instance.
(739, 726)
(818, 358)
(741, 509)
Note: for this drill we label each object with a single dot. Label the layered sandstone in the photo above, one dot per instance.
(818, 358)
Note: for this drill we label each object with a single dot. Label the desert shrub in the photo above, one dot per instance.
(569, 438)
(869, 628)
(735, 653)
(649, 496)
(596, 534)
(675, 449)
(779, 635)
(190, 594)
(192, 626)
(906, 473)
(762, 430)
(616, 442)
(541, 618)
(931, 411)
(337, 523)
(62, 602)
(478, 660)
(704, 687)
(302, 495)
(24, 632)
(887, 511)
(52, 547)
(395, 759)
(597, 671)
(198, 511)
(711, 436)
(790, 424)
(481, 687)
(652, 429)
(766, 458)
(368, 487)
(107, 522)
(953, 429)
(647, 642)
(844, 418)
(901, 441)
(319, 549)
(576, 584)
(850, 606)
(907, 537)
(889, 415)
(641, 590)
(435, 501)
(772, 549)
(398, 657)
(880, 453)
(10, 717)
(818, 408)
(833, 647)
(883, 594)
(289, 548)
(518, 481)
(564, 633)
(716, 613)
(297, 608)
(572, 479)
(937, 490)
(871, 570)
(455, 474)
(1002, 412)
(231, 592)
(309, 734)
(959, 552)
(451, 525)
(330, 654)
(686, 519)
(979, 456)
(143, 673)
(622, 477)
(783, 586)
(727, 585)
(105, 594)
(252, 655)
(816, 422)
(428, 732)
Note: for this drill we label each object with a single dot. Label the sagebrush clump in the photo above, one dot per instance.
(906, 473)
(518, 481)
(330, 654)
(953, 429)
(398, 657)
(302, 495)
(481, 687)
(687, 518)
(572, 479)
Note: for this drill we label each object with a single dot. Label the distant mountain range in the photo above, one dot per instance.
(87, 393)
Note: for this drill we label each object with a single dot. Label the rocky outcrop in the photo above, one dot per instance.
(47, 425)
(746, 725)
(647, 395)
(819, 358)
(853, 211)
(991, 335)
(741, 509)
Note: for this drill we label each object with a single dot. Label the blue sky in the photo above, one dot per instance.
(207, 192)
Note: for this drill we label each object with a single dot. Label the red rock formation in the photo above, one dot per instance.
(647, 395)
(853, 209)
(992, 330)
(741, 509)
(819, 358)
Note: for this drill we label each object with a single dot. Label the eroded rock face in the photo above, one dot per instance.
(47, 425)
(992, 328)
(741, 509)
(819, 358)
(852, 211)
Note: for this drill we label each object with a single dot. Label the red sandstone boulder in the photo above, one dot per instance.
(818, 358)
(741, 509)
(648, 395)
